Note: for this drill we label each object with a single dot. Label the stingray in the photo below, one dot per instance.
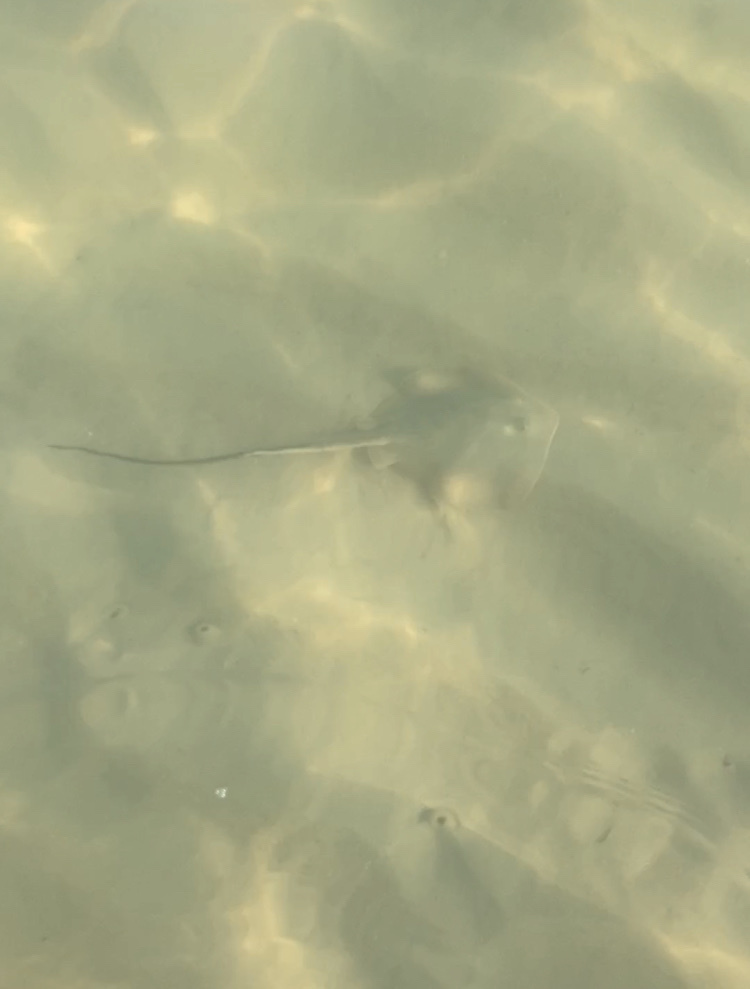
(463, 438)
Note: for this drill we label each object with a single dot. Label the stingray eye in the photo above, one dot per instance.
(439, 818)
(517, 426)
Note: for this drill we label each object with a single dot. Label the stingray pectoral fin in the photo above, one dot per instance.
(382, 457)
(527, 455)
(500, 465)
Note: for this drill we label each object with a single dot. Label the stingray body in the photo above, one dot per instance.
(460, 437)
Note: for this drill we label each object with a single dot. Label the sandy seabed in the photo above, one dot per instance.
(320, 720)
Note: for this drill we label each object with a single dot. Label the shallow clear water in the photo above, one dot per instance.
(463, 707)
